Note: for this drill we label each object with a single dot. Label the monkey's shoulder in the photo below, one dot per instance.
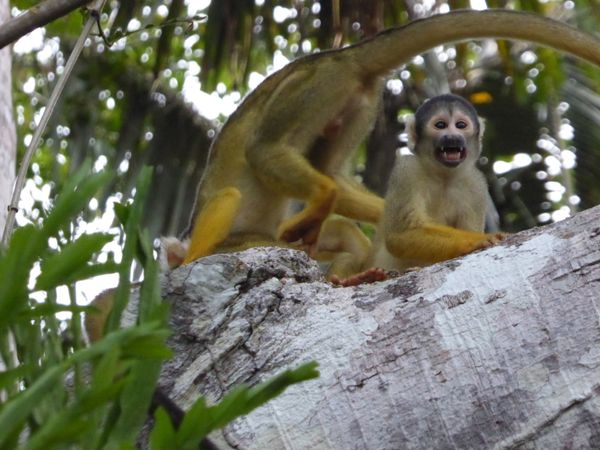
(406, 165)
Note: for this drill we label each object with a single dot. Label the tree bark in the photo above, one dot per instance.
(37, 16)
(500, 348)
(8, 143)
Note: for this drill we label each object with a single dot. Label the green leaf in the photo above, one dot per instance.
(108, 368)
(15, 265)
(162, 436)
(69, 423)
(200, 420)
(25, 4)
(196, 424)
(58, 431)
(134, 402)
(137, 394)
(149, 347)
(63, 267)
(74, 198)
(15, 412)
(122, 212)
(49, 309)
(8, 377)
(131, 243)
(151, 306)
(90, 270)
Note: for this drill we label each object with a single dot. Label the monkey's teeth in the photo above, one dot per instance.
(453, 154)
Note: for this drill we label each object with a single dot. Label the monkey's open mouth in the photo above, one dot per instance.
(451, 156)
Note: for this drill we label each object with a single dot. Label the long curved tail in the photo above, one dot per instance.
(396, 46)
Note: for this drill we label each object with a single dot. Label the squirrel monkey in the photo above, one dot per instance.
(293, 135)
(435, 205)
(436, 201)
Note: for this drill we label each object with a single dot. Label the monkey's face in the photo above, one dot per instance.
(454, 136)
(445, 134)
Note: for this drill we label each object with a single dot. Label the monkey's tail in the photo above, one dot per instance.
(397, 46)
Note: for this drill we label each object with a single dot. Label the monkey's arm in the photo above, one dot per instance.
(213, 223)
(423, 245)
(431, 243)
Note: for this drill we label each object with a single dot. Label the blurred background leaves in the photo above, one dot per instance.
(159, 96)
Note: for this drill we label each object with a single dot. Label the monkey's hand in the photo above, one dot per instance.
(368, 276)
(489, 240)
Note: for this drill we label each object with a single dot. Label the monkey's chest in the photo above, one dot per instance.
(456, 207)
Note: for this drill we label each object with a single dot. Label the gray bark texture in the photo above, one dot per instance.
(8, 143)
(498, 349)
(37, 16)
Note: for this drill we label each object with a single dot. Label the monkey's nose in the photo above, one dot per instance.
(452, 141)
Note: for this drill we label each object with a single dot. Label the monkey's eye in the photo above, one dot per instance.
(461, 125)
(440, 125)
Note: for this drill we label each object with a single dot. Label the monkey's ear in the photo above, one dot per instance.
(481, 129)
(411, 131)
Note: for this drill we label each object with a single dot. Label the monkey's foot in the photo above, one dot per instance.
(305, 226)
(306, 231)
(368, 276)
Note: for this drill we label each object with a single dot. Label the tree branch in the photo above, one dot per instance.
(497, 349)
(35, 17)
(37, 135)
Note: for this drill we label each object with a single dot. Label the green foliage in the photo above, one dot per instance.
(202, 419)
(60, 394)
(47, 395)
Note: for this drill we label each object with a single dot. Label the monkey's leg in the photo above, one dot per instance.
(357, 203)
(306, 224)
(434, 243)
(345, 245)
(287, 172)
(213, 223)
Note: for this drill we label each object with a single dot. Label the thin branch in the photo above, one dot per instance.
(37, 16)
(62, 81)
(337, 24)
